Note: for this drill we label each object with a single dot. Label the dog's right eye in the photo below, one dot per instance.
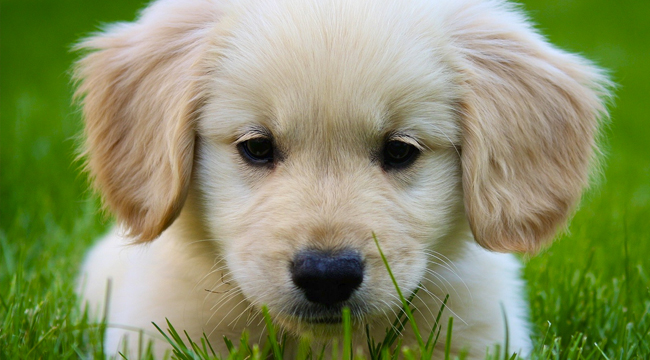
(258, 151)
(398, 154)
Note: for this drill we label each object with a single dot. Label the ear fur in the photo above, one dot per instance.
(530, 120)
(140, 92)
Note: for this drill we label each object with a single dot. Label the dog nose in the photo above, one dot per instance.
(327, 278)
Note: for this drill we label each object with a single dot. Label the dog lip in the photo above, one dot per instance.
(324, 320)
(317, 314)
(312, 314)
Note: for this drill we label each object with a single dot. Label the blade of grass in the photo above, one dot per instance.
(335, 348)
(407, 309)
(272, 335)
(304, 349)
(207, 342)
(229, 344)
(432, 341)
(392, 333)
(505, 323)
(171, 330)
(347, 334)
(601, 351)
(244, 342)
(321, 356)
(450, 327)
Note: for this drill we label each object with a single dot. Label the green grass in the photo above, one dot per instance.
(589, 293)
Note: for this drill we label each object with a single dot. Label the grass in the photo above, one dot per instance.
(589, 293)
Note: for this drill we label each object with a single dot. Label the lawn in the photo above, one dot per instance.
(589, 293)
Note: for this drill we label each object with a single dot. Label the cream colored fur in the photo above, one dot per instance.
(506, 125)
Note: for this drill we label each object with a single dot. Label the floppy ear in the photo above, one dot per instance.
(140, 89)
(530, 119)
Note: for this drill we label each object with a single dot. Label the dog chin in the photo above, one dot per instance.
(324, 328)
(320, 321)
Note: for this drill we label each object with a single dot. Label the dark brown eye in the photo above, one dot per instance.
(257, 150)
(398, 154)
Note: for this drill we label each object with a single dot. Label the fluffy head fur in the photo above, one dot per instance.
(504, 122)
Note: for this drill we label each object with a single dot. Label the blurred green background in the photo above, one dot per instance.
(593, 282)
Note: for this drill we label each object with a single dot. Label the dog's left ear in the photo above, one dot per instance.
(140, 86)
(530, 119)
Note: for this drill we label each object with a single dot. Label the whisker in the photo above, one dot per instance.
(231, 310)
(447, 307)
(442, 279)
(449, 264)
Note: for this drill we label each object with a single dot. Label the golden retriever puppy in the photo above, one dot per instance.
(250, 150)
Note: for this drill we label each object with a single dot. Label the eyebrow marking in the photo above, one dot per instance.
(254, 132)
(409, 139)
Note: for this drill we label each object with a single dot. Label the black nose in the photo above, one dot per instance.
(327, 278)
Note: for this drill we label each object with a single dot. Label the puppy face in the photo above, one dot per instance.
(354, 141)
(317, 125)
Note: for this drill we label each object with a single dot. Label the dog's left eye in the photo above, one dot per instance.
(398, 154)
(257, 150)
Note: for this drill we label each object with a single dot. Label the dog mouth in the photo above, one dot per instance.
(314, 314)
(323, 320)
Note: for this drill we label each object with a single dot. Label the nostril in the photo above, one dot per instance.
(327, 278)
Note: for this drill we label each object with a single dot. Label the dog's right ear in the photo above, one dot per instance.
(140, 88)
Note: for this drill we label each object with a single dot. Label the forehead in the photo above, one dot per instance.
(343, 70)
